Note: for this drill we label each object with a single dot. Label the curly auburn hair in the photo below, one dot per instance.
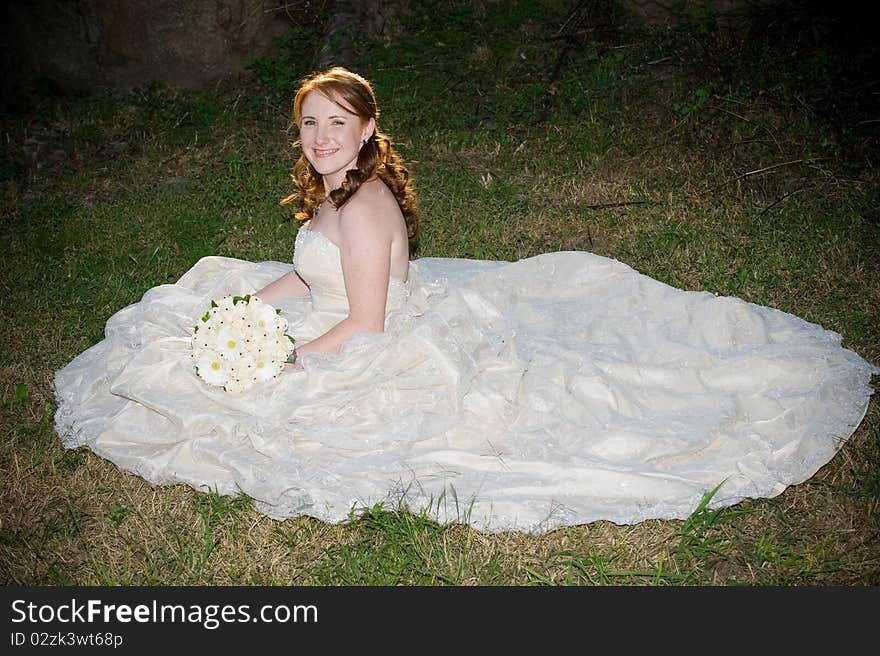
(376, 158)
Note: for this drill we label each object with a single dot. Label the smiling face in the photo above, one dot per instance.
(331, 137)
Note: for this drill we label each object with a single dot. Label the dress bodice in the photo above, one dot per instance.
(318, 261)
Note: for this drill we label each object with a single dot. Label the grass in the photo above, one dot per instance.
(743, 166)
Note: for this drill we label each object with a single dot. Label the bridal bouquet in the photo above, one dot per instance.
(240, 341)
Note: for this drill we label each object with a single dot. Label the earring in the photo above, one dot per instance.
(365, 142)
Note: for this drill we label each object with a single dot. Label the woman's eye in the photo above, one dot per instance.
(308, 123)
(338, 122)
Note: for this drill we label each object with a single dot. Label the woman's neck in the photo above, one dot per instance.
(332, 183)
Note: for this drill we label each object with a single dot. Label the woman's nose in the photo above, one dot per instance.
(321, 135)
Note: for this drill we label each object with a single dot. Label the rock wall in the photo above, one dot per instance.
(86, 45)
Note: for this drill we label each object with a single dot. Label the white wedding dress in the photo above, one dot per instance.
(557, 390)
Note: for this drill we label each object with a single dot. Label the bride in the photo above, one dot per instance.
(349, 175)
(556, 390)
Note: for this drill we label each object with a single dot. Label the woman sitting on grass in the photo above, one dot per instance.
(556, 390)
(354, 192)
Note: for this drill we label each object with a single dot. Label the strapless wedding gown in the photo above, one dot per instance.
(556, 390)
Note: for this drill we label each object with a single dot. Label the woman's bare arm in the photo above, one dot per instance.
(290, 284)
(365, 249)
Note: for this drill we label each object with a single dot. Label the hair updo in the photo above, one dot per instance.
(376, 158)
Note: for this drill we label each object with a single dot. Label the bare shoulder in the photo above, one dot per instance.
(373, 208)
(372, 229)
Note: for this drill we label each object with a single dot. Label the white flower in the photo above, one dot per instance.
(229, 342)
(234, 385)
(241, 322)
(239, 314)
(212, 369)
(282, 353)
(242, 368)
(203, 337)
(226, 304)
(264, 369)
(263, 318)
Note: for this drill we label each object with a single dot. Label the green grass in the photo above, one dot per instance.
(746, 168)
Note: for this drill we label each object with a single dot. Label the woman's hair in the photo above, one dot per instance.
(376, 157)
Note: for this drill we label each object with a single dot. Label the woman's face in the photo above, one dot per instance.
(331, 137)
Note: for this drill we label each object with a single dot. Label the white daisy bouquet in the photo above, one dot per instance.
(240, 341)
